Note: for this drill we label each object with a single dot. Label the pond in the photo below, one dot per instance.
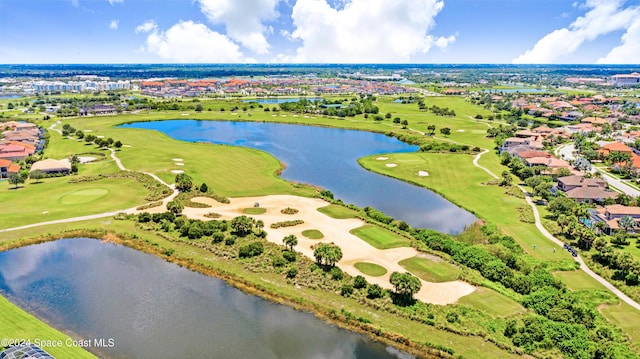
(278, 100)
(156, 309)
(327, 157)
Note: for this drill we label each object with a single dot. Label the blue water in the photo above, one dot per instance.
(523, 90)
(9, 96)
(327, 157)
(156, 309)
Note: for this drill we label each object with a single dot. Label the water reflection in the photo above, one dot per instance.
(155, 309)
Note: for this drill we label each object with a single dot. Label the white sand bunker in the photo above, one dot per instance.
(382, 158)
(86, 159)
(88, 130)
(460, 131)
(179, 164)
(126, 145)
(423, 173)
(185, 114)
(177, 171)
(100, 136)
(177, 159)
(391, 165)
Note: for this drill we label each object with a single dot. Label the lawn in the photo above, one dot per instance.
(455, 176)
(625, 317)
(55, 198)
(337, 211)
(431, 270)
(578, 280)
(313, 234)
(380, 237)
(254, 210)
(371, 269)
(18, 324)
(492, 302)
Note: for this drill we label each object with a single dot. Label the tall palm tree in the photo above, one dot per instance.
(627, 222)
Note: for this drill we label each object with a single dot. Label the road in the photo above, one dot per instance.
(555, 240)
(566, 152)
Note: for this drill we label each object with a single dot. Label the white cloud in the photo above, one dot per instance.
(111, 2)
(146, 27)
(629, 51)
(191, 42)
(75, 3)
(604, 16)
(243, 20)
(113, 25)
(365, 31)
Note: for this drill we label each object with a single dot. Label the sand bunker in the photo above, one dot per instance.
(460, 131)
(85, 159)
(423, 173)
(177, 171)
(391, 165)
(335, 230)
(177, 159)
(185, 114)
(88, 130)
(382, 158)
(179, 164)
(126, 145)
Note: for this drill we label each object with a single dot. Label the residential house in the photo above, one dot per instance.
(7, 168)
(13, 152)
(98, 110)
(588, 194)
(50, 166)
(568, 183)
(615, 147)
(533, 142)
(610, 215)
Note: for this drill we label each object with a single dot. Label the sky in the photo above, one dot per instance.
(320, 31)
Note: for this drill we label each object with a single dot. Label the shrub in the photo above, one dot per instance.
(278, 261)
(292, 272)
(287, 223)
(251, 250)
(204, 188)
(346, 290)
(289, 210)
(289, 255)
(230, 240)
(360, 282)
(336, 273)
(375, 291)
(452, 317)
(217, 237)
(144, 217)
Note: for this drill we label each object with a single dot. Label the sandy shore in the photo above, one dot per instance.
(335, 230)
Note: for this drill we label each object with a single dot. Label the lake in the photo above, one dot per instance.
(327, 157)
(155, 309)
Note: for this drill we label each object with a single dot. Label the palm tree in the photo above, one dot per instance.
(290, 241)
(627, 222)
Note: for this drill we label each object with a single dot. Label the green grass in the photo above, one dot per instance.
(254, 210)
(455, 176)
(492, 302)
(337, 211)
(371, 269)
(430, 270)
(625, 317)
(55, 198)
(18, 324)
(468, 346)
(578, 280)
(379, 237)
(313, 234)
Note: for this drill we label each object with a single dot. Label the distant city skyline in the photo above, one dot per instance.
(320, 31)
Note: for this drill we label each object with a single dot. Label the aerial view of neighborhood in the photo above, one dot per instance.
(265, 179)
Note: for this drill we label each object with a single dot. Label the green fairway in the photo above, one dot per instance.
(18, 324)
(380, 237)
(431, 270)
(254, 210)
(455, 176)
(338, 212)
(55, 198)
(490, 301)
(578, 280)
(313, 234)
(371, 269)
(625, 317)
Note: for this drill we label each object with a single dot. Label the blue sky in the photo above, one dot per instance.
(320, 31)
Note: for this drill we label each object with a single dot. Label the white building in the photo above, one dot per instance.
(626, 80)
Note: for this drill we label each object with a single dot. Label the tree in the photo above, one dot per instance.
(204, 188)
(117, 144)
(375, 291)
(405, 284)
(396, 120)
(260, 225)
(506, 179)
(405, 123)
(561, 205)
(184, 182)
(432, 129)
(15, 179)
(360, 282)
(198, 108)
(446, 131)
(175, 207)
(387, 115)
(37, 175)
(563, 172)
(327, 254)
(627, 222)
(242, 225)
(290, 241)
(80, 134)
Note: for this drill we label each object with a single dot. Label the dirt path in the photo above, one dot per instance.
(335, 230)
